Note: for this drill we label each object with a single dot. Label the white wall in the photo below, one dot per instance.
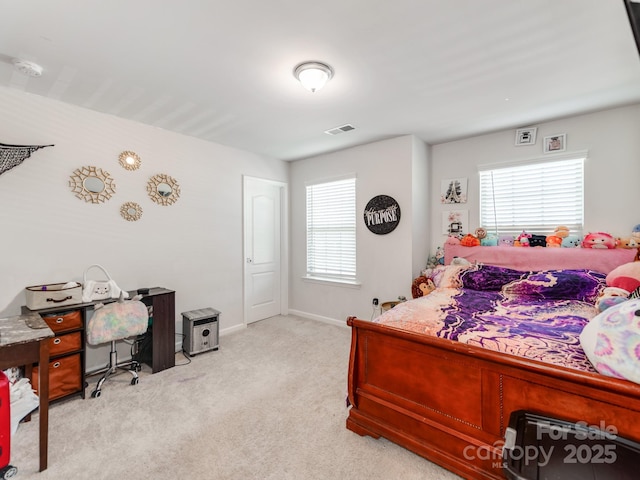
(385, 263)
(612, 170)
(48, 235)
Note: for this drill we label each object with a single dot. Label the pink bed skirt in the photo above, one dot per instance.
(538, 258)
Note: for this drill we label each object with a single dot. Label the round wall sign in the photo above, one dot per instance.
(382, 214)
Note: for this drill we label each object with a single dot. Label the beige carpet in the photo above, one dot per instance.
(270, 404)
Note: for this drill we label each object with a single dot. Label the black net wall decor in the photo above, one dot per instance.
(13, 155)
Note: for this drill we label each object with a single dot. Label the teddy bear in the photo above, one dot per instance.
(627, 242)
(505, 241)
(422, 286)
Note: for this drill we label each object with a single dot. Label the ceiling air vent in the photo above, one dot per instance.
(340, 129)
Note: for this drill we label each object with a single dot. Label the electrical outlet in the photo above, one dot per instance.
(375, 302)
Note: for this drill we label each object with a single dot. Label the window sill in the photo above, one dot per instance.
(333, 281)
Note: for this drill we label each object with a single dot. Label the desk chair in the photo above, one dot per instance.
(117, 321)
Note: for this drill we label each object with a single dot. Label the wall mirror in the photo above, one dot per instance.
(163, 189)
(92, 184)
(131, 211)
(129, 160)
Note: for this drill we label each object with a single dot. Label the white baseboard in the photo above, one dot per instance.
(319, 318)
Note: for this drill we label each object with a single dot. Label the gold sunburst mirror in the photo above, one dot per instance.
(131, 211)
(92, 184)
(129, 160)
(163, 189)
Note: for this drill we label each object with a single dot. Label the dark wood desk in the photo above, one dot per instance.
(24, 341)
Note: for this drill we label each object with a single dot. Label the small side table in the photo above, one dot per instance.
(24, 341)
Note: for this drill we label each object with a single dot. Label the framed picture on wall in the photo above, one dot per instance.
(453, 190)
(555, 143)
(455, 222)
(526, 136)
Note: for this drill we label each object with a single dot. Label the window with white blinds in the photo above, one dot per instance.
(535, 197)
(331, 230)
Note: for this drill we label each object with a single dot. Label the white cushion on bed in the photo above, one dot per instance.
(611, 341)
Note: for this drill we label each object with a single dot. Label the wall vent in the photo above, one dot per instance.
(341, 129)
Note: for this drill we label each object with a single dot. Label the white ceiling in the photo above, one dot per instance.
(222, 70)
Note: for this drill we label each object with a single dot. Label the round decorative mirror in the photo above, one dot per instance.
(129, 160)
(92, 184)
(163, 189)
(131, 211)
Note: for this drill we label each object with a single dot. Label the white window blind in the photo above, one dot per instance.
(331, 230)
(535, 197)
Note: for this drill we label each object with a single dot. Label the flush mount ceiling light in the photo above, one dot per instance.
(313, 75)
(27, 68)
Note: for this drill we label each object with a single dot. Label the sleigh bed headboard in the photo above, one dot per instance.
(537, 258)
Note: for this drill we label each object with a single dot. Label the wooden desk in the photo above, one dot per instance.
(24, 341)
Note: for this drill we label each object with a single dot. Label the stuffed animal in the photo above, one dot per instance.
(440, 255)
(628, 242)
(481, 233)
(571, 241)
(554, 241)
(491, 240)
(422, 286)
(538, 241)
(598, 240)
(611, 296)
(452, 240)
(469, 241)
(561, 231)
(523, 239)
(505, 241)
(635, 233)
(626, 276)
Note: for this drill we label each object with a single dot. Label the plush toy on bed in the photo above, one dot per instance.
(491, 240)
(598, 240)
(622, 283)
(627, 242)
(562, 231)
(626, 276)
(553, 241)
(469, 241)
(571, 241)
(422, 286)
(505, 241)
(538, 241)
(522, 240)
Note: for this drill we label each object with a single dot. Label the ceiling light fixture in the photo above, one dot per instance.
(27, 68)
(313, 75)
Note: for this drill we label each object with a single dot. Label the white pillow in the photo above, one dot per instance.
(611, 341)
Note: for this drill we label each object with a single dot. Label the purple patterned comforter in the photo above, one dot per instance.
(537, 315)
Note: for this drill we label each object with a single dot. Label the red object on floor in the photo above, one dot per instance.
(6, 470)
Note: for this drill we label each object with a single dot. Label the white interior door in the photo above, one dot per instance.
(262, 247)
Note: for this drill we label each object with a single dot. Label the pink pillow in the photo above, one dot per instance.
(626, 276)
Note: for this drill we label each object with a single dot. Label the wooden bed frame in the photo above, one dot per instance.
(450, 402)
